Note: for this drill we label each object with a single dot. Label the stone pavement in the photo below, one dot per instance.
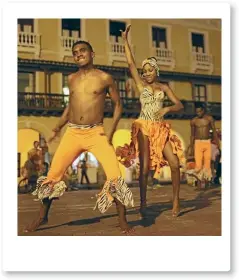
(73, 214)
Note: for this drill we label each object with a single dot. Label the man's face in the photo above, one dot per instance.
(200, 112)
(36, 144)
(82, 55)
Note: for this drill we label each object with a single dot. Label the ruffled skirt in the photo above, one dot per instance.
(158, 134)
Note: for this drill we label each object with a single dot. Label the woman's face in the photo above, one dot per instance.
(149, 73)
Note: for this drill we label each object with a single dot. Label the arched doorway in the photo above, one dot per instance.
(92, 166)
(26, 139)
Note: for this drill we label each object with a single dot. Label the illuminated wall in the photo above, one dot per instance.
(26, 137)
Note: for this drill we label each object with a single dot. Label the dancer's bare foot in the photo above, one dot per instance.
(176, 208)
(199, 185)
(36, 224)
(125, 228)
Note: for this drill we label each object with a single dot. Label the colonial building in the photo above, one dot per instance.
(188, 52)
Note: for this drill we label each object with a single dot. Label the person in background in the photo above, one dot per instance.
(35, 150)
(214, 158)
(201, 126)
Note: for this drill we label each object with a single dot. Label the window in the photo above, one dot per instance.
(198, 42)
(121, 88)
(159, 37)
(65, 88)
(64, 81)
(115, 33)
(18, 164)
(26, 25)
(26, 82)
(199, 93)
(71, 27)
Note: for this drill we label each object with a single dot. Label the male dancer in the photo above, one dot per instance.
(85, 132)
(201, 141)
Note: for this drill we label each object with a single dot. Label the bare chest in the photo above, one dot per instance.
(202, 123)
(87, 85)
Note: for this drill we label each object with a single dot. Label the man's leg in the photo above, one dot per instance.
(105, 154)
(207, 162)
(87, 179)
(69, 148)
(198, 155)
(61, 160)
(82, 177)
(42, 217)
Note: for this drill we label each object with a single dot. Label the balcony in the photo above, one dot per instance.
(66, 45)
(202, 61)
(29, 42)
(165, 57)
(39, 104)
(117, 52)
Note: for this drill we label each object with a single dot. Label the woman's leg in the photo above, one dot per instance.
(175, 173)
(144, 155)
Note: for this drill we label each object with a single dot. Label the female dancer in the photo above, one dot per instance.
(152, 137)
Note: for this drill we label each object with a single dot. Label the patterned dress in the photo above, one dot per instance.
(156, 129)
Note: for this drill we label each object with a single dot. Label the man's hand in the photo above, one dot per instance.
(54, 135)
(109, 138)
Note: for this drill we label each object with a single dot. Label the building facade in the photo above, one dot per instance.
(188, 52)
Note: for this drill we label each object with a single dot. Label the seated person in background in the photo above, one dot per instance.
(32, 169)
(36, 150)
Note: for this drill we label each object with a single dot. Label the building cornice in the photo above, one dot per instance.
(33, 65)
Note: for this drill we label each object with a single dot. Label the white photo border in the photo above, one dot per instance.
(73, 253)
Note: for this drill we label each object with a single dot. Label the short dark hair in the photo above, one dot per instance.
(199, 105)
(35, 142)
(82, 42)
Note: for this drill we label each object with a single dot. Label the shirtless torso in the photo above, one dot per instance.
(87, 96)
(201, 127)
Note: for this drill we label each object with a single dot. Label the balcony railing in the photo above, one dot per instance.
(39, 104)
(66, 45)
(117, 51)
(164, 56)
(28, 42)
(202, 61)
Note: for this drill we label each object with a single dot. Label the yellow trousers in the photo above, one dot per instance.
(203, 159)
(74, 142)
